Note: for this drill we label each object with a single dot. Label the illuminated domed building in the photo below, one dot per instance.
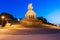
(30, 13)
(30, 18)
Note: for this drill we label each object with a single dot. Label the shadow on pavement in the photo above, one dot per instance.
(31, 32)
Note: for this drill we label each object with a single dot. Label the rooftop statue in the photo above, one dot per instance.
(30, 7)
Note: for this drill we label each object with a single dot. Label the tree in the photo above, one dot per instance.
(7, 16)
(42, 19)
(20, 18)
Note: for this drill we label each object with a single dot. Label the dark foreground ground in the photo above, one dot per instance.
(29, 34)
(28, 31)
(31, 37)
(36, 31)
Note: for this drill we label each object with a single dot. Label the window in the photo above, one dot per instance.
(29, 16)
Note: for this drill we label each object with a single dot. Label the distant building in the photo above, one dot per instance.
(30, 14)
(30, 18)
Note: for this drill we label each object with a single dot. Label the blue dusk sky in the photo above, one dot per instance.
(49, 9)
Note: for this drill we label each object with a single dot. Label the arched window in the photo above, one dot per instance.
(29, 16)
(33, 16)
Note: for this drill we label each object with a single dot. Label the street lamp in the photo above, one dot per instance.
(2, 19)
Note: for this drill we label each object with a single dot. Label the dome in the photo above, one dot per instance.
(30, 12)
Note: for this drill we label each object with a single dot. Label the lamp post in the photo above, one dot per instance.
(2, 19)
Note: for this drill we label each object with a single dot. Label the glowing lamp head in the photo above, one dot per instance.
(2, 17)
